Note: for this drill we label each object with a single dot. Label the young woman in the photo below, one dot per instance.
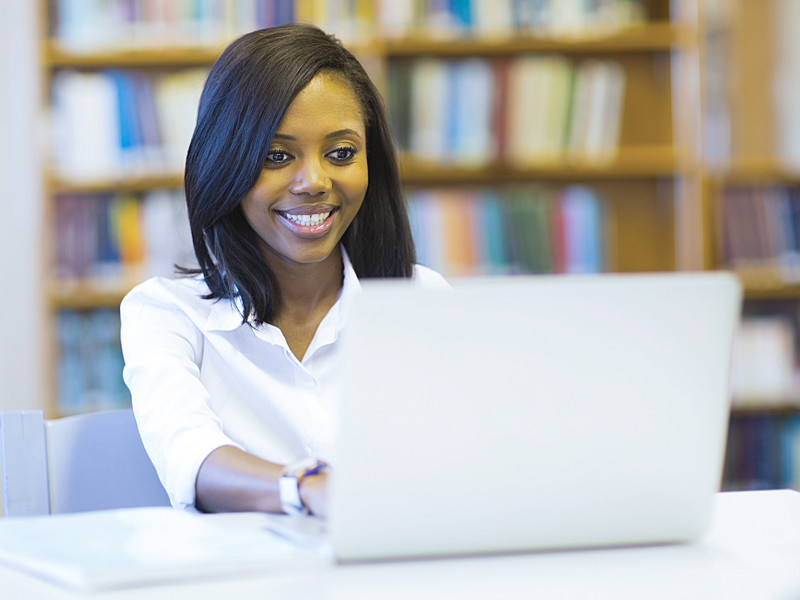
(293, 194)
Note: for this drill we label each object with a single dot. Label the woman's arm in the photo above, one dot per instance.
(232, 480)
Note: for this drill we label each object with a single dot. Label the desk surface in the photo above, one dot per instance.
(751, 551)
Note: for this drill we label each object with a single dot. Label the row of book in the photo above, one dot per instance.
(93, 25)
(112, 123)
(492, 19)
(90, 362)
(121, 236)
(763, 452)
(526, 111)
(764, 367)
(518, 230)
(761, 227)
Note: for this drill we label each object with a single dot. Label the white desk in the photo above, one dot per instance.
(752, 551)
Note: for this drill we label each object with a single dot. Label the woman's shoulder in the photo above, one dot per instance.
(428, 278)
(184, 294)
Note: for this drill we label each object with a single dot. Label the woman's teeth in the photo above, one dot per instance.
(308, 220)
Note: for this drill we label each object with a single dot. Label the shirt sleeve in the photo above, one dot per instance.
(163, 349)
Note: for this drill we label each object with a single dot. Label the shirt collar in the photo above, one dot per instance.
(226, 315)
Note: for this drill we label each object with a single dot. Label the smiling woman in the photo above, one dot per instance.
(314, 179)
(293, 195)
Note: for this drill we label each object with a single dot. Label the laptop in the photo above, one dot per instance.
(532, 413)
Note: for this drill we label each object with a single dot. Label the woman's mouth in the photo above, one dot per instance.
(309, 224)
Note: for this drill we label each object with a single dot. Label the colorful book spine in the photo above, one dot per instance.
(90, 362)
(763, 452)
(121, 236)
(527, 111)
(761, 229)
(109, 124)
(91, 26)
(514, 230)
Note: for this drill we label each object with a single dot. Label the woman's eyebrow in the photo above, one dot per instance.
(342, 132)
(333, 134)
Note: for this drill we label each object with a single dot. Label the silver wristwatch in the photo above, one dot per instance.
(289, 484)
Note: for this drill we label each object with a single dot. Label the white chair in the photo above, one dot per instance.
(87, 462)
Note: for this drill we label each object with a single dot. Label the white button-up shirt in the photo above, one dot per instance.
(200, 379)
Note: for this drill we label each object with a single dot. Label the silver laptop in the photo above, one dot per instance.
(532, 413)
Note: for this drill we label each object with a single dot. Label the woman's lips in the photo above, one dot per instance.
(311, 221)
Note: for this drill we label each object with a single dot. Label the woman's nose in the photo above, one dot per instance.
(311, 178)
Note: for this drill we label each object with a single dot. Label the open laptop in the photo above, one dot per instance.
(532, 413)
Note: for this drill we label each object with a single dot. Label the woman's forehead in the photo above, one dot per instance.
(325, 99)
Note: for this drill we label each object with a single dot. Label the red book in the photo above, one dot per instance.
(499, 124)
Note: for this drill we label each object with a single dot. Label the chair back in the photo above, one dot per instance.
(94, 461)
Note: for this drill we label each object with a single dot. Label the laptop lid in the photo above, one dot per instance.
(532, 413)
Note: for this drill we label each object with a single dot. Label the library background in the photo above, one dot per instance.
(536, 136)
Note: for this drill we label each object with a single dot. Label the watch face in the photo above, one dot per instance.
(289, 493)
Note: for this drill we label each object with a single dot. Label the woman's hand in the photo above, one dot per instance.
(314, 494)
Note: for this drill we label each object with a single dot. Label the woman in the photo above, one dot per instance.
(293, 194)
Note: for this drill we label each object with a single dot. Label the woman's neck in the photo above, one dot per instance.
(307, 288)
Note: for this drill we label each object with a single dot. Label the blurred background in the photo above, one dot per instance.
(536, 136)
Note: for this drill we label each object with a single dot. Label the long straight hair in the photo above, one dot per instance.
(247, 92)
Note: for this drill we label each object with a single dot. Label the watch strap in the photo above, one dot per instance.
(289, 484)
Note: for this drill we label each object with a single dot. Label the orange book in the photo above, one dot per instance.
(458, 236)
(125, 215)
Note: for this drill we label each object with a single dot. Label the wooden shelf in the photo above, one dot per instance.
(120, 184)
(90, 294)
(638, 162)
(758, 171)
(776, 410)
(55, 57)
(767, 283)
(648, 37)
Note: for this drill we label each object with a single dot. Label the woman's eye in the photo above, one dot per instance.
(278, 156)
(343, 154)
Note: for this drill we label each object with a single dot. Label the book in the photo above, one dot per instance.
(91, 26)
(763, 361)
(790, 452)
(120, 238)
(597, 105)
(86, 126)
(471, 141)
(430, 103)
(520, 229)
(110, 124)
(103, 550)
(90, 362)
(528, 111)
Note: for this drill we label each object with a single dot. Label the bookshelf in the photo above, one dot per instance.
(752, 177)
(648, 186)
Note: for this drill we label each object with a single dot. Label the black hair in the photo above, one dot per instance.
(244, 99)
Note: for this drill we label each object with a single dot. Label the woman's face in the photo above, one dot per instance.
(315, 176)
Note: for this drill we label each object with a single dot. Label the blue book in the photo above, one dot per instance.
(495, 233)
(130, 138)
(70, 368)
(790, 453)
(111, 389)
(583, 230)
(461, 11)
(284, 11)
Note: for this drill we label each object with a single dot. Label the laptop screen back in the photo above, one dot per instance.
(531, 413)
